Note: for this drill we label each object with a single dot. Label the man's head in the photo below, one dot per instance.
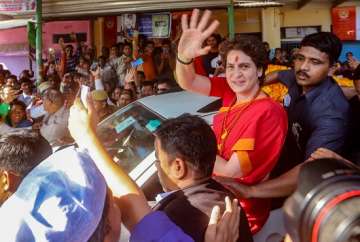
(69, 51)
(213, 42)
(53, 100)
(20, 152)
(318, 53)
(125, 98)
(11, 81)
(140, 76)
(185, 148)
(26, 74)
(102, 61)
(147, 88)
(267, 46)
(25, 86)
(114, 51)
(100, 100)
(149, 47)
(278, 53)
(116, 93)
(17, 112)
(127, 50)
(163, 86)
(349, 56)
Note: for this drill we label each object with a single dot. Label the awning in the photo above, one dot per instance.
(14, 23)
(53, 9)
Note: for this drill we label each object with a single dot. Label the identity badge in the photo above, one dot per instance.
(287, 100)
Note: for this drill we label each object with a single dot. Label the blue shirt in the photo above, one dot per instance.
(157, 227)
(319, 118)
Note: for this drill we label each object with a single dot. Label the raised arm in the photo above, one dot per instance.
(190, 46)
(128, 196)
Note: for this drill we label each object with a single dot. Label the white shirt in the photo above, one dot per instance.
(55, 126)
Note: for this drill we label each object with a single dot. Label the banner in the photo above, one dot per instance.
(344, 22)
(155, 25)
(17, 5)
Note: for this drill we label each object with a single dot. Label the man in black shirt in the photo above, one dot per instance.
(210, 60)
(185, 149)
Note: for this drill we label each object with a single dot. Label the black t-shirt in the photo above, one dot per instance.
(208, 63)
(353, 144)
(190, 209)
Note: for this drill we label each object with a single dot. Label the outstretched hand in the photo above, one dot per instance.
(194, 34)
(130, 75)
(82, 122)
(226, 228)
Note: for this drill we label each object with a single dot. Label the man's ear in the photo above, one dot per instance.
(179, 168)
(9, 181)
(5, 181)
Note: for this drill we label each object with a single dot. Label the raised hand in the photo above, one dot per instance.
(226, 228)
(130, 75)
(194, 34)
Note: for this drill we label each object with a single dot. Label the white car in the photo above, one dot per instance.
(128, 133)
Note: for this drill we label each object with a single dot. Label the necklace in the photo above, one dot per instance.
(226, 128)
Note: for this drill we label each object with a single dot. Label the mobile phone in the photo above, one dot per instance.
(137, 62)
(94, 66)
(84, 91)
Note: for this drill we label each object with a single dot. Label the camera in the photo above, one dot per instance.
(326, 205)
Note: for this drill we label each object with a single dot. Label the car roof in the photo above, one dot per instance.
(171, 105)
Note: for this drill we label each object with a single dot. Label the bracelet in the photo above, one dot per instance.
(183, 62)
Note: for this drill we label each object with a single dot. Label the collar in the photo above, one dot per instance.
(316, 91)
(25, 95)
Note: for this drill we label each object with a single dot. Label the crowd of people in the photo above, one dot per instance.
(252, 154)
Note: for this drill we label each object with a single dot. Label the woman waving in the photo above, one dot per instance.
(250, 127)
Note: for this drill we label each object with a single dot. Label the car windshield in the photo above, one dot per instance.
(128, 134)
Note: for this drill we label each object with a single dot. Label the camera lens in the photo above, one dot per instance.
(326, 204)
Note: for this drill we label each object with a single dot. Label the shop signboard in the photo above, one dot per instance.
(17, 5)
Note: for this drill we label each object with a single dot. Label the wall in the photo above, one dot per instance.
(313, 14)
(64, 27)
(13, 36)
(246, 20)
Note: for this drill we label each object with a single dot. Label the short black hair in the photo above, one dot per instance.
(18, 103)
(325, 42)
(147, 83)
(192, 139)
(25, 80)
(22, 150)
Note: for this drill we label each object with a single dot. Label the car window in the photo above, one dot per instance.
(128, 134)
